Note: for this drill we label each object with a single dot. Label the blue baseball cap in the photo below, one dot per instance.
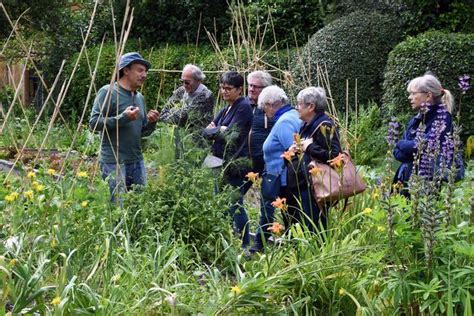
(131, 58)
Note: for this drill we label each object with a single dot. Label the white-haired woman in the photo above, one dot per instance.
(319, 141)
(434, 105)
(274, 101)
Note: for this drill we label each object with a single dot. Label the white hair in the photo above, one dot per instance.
(314, 95)
(265, 77)
(196, 71)
(429, 83)
(272, 95)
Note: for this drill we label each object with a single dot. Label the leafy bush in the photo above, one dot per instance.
(353, 47)
(446, 55)
(368, 146)
(183, 204)
(290, 20)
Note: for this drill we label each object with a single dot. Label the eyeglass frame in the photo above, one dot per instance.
(227, 88)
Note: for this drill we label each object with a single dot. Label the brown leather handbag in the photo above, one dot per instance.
(335, 181)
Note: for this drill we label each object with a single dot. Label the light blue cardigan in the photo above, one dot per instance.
(279, 140)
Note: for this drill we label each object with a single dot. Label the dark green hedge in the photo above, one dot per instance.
(354, 46)
(446, 55)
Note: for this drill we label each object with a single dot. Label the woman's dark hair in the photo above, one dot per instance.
(232, 78)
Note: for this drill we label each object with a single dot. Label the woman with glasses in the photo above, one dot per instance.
(318, 140)
(274, 101)
(229, 131)
(428, 134)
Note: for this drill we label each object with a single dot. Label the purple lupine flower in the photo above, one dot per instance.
(447, 150)
(464, 83)
(392, 133)
(432, 149)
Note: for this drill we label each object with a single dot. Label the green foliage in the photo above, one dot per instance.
(417, 16)
(184, 205)
(179, 21)
(353, 47)
(368, 144)
(446, 55)
(290, 20)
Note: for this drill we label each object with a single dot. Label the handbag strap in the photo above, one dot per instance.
(317, 127)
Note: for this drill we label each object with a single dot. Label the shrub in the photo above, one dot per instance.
(446, 55)
(183, 204)
(353, 47)
(368, 146)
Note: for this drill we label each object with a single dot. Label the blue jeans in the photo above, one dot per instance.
(237, 211)
(122, 177)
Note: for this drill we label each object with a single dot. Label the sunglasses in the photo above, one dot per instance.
(185, 82)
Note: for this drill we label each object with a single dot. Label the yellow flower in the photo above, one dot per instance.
(56, 301)
(236, 290)
(84, 204)
(280, 204)
(37, 187)
(287, 155)
(375, 195)
(31, 174)
(28, 194)
(9, 198)
(51, 172)
(276, 228)
(342, 291)
(380, 228)
(367, 211)
(252, 176)
(82, 174)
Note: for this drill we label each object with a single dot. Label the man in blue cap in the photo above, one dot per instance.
(119, 115)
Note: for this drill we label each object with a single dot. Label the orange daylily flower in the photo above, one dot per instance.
(252, 176)
(297, 138)
(337, 162)
(287, 155)
(315, 171)
(280, 203)
(276, 228)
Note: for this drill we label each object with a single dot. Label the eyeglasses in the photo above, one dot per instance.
(255, 86)
(185, 82)
(416, 92)
(226, 88)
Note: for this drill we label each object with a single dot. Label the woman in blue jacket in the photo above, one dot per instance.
(274, 101)
(430, 131)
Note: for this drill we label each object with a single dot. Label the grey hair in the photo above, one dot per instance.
(315, 95)
(196, 71)
(429, 83)
(271, 95)
(264, 77)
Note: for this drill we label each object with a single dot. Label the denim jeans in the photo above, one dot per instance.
(122, 177)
